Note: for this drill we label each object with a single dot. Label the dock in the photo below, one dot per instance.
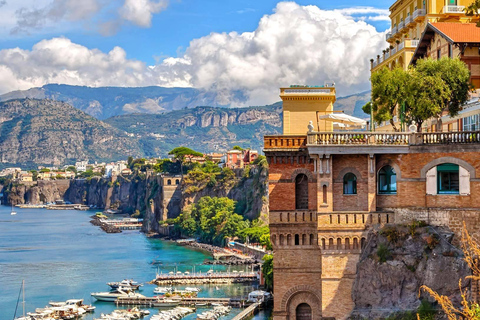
(158, 302)
(67, 207)
(248, 312)
(124, 224)
(205, 278)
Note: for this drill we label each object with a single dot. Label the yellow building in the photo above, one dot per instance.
(302, 104)
(408, 21)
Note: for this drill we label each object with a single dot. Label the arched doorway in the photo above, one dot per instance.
(303, 312)
(301, 192)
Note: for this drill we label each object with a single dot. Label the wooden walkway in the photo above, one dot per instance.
(248, 312)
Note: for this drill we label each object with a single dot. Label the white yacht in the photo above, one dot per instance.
(163, 290)
(111, 296)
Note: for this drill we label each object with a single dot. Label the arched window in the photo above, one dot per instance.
(312, 239)
(304, 239)
(169, 182)
(289, 240)
(448, 179)
(387, 180)
(324, 246)
(339, 244)
(301, 192)
(303, 312)
(297, 240)
(177, 182)
(282, 240)
(274, 239)
(349, 183)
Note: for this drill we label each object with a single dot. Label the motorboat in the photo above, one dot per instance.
(163, 290)
(174, 314)
(214, 314)
(74, 304)
(111, 296)
(126, 284)
(192, 289)
(166, 303)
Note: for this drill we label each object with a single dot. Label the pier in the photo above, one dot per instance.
(124, 224)
(159, 302)
(208, 277)
(248, 312)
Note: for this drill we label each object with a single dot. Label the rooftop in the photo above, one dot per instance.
(458, 32)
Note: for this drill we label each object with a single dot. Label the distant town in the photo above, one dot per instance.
(235, 158)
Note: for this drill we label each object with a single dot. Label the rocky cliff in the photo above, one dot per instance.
(397, 260)
(205, 129)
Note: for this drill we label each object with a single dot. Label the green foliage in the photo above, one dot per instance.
(167, 166)
(426, 310)
(383, 253)
(72, 168)
(391, 233)
(34, 174)
(472, 10)
(137, 214)
(180, 153)
(261, 161)
(209, 174)
(367, 108)
(412, 227)
(237, 148)
(425, 91)
(267, 271)
(44, 170)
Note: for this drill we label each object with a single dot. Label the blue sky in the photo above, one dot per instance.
(179, 42)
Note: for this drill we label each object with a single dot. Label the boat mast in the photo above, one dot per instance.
(23, 302)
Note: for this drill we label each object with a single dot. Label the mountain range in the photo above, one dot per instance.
(58, 124)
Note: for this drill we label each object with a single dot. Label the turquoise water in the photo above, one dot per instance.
(61, 256)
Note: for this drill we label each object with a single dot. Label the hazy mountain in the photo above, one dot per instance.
(52, 132)
(105, 102)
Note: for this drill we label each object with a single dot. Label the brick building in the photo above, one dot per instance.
(326, 189)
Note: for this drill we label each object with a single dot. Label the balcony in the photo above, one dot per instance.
(419, 13)
(388, 35)
(284, 142)
(408, 20)
(401, 25)
(454, 9)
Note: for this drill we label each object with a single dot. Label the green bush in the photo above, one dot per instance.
(383, 253)
(391, 233)
(426, 311)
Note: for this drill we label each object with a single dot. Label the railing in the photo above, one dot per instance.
(352, 219)
(453, 9)
(449, 137)
(284, 142)
(375, 63)
(408, 20)
(401, 25)
(401, 46)
(414, 43)
(358, 138)
(388, 35)
(394, 30)
(419, 13)
(393, 51)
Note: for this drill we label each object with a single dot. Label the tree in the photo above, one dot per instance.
(389, 90)
(469, 310)
(472, 10)
(180, 153)
(34, 174)
(425, 91)
(267, 271)
(129, 161)
(72, 168)
(455, 75)
(237, 148)
(44, 170)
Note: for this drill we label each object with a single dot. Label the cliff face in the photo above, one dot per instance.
(397, 261)
(250, 192)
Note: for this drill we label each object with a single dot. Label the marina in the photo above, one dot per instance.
(206, 278)
(99, 258)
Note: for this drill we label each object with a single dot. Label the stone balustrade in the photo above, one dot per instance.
(352, 220)
(297, 216)
(285, 142)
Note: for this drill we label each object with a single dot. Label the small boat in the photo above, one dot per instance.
(166, 303)
(73, 303)
(13, 212)
(192, 289)
(111, 296)
(126, 284)
(163, 290)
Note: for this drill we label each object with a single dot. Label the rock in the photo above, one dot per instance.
(381, 289)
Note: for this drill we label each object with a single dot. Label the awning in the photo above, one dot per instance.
(343, 118)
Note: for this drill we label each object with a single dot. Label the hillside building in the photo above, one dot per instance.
(327, 189)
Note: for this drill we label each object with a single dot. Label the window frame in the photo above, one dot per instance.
(388, 179)
(354, 183)
(450, 169)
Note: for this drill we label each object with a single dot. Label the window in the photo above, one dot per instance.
(387, 180)
(349, 183)
(301, 192)
(439, 53)
(169, 182)
(448, 179)
(471, 123)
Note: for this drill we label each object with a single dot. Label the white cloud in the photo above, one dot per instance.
(140, 12)
(294, 45)
(42, 14)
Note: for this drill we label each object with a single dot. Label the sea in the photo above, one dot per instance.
(61, 256)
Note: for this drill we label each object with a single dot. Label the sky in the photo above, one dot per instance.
(224, 46)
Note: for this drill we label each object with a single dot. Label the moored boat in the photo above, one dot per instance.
(111, 296)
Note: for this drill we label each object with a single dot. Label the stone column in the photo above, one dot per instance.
(372, 183)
